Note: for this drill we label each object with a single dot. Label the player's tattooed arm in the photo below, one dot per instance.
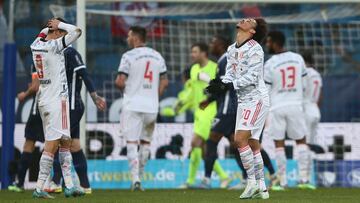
(164, 82)
(98, 101)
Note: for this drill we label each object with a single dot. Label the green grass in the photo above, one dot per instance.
(196, 196)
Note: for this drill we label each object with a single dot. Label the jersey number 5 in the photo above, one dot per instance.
(148, 73)
(39, 66)
(288, 77)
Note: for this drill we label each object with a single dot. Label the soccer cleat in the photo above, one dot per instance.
(277, 188)
(225, 183)
(205, 184)
(251, 189)
(188, 186)
(42, 195)
(239, 186)
(137, 187)
(73, 192)
(88, 191)
(15, 188)
(261, 195)
(306, 186)
(53, 188)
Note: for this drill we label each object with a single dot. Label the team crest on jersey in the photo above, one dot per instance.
(238, 55)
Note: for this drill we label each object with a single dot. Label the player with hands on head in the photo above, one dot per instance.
(48, 57)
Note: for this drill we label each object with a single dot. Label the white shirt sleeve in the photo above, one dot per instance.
(163, 68)
(73, 33)
(124, 66)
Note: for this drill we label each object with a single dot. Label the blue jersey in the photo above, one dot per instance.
(227, 104)
(73, 64)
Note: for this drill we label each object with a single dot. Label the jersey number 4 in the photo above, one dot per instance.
(148, 73)
(288, 77)
(39, 66)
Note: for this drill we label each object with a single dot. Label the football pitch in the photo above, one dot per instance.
(196, 196)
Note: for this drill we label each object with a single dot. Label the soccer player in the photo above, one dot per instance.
(312, 98)
(201, 73)
(48, 57)
(76, 73)
(244, 74)
(224, 122)
(33, 131)
(142, 77)
(285, 75)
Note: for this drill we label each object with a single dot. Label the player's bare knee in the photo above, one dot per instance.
(215, 137)
(279, 143)
(75, 145)
(254, 145)
(29, 146)
(51, 146)
(301, 141)
(197, 141)
(65, 143)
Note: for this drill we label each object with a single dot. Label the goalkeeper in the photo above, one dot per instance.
(201, 73)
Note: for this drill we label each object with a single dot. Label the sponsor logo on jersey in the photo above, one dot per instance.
(45, 82)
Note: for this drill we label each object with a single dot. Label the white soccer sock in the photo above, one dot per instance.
(247, 159)
(303, 156)
(280, 158)
(46, 163)
(144, 154)
(65, 160)
(259, 170)
(133, 158)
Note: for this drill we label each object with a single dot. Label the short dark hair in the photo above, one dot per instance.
(202, 46)
(308, 57)
(277, 37)
(225, 42)
(140, 32)
(260, 30)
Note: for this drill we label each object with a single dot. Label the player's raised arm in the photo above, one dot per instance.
(73, 32)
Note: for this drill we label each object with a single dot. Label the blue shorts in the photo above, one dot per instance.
(224, 124)
(34, 128)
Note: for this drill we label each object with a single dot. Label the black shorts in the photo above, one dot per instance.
(34, 128)
(224, 124)
(75, 117)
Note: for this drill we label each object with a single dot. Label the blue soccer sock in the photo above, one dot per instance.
(24, 166)
(80, 165)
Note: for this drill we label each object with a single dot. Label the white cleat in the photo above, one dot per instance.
(251, 189)
(261, 195)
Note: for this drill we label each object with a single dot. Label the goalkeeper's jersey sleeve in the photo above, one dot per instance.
(185, 96)
(199, 85)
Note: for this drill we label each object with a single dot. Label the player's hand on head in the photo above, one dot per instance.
(53, 24)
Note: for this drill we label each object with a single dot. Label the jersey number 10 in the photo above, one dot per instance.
(148, 73)
(39, 66)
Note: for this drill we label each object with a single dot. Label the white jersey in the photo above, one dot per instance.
(50, 65)
(313, 86)
(285, 72)
(143, 67)
(245, 66)
(49, 62)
